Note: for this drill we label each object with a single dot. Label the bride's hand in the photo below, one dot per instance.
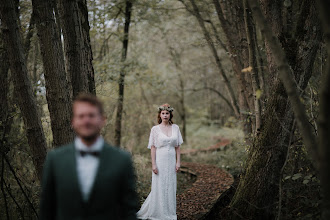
(154, 169)
(177, 167)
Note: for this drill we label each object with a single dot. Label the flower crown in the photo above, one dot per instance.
(162, 108)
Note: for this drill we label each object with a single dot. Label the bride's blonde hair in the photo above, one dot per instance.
(167, 106)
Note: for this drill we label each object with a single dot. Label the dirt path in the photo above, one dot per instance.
(211, 182)
(218, 146)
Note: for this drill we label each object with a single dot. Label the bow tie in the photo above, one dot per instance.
(93, 153)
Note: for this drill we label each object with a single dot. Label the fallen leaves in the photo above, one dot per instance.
(201, 196)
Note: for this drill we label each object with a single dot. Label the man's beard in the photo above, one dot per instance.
(89, 137)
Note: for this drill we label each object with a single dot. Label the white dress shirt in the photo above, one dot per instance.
(87, 165)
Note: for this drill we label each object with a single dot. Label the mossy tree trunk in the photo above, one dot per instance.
(121, 81)
(22, 85)
(256, 195)
(324, 116)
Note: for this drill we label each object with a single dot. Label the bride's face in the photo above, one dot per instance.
(165, 115)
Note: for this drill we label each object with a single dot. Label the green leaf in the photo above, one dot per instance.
(296, 176)
(308, 177)
(305, 181)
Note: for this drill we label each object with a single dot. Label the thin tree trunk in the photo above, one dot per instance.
(34, 131)
(35, 64)
(260, 64)
(57, 88)
(234, 30)
(183, 113)
(217, 58)
(74, 21)
(218, 93)
(120, 102)
(252, 65)
(29, 35)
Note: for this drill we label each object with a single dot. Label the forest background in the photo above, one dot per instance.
(254, 72)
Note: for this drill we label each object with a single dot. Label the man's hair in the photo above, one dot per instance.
(91, 99)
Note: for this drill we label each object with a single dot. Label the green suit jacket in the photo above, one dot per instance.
(113, 195)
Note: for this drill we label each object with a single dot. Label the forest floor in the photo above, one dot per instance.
(197, 200)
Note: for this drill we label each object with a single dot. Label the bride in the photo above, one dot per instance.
(164, 141)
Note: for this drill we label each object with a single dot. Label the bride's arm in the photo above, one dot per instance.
(153, 159)
(178, 152)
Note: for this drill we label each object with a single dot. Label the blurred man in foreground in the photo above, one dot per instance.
(88, 179)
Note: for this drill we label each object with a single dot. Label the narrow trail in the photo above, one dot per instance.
(211, 182)
(218, 146)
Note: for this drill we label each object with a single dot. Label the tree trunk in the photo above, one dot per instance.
(324, 116)
(88, 47)
(217, 58)
(253, 70)
(256, 194)
(258, 186)
(183, 113)
(78, 53)
(4, 89)
(29, 35)
(234, 29)
(120, 102)
(34, 131)
(57, 88)
(34, 77)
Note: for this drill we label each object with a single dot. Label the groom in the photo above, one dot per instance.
(88, 179)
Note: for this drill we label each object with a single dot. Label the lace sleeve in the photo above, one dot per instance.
(179, 139)
(152, 138)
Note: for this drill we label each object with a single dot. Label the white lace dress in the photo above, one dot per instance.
(161, 201)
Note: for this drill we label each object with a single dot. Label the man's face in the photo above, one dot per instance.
(87, 120)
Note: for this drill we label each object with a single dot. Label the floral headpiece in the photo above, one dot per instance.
(167, 108)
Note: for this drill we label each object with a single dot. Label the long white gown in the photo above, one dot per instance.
(161, 201)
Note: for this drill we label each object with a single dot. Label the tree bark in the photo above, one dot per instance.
(232, 23)
(88, 48)
(12, 38)
(121, 81)
(29, 35)
(4, 89)
(77, 47)
(323, 120)
(256, 194)
(57, 88)
(301, 71)
(183, 112)
(253, 70)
